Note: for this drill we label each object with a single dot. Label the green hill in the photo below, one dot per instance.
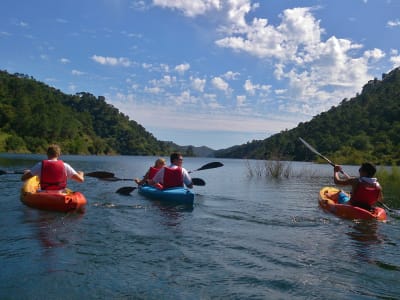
(364, 128)
(32, 115)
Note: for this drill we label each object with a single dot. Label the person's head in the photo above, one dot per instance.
(367, 170)
(53, 151)
(176, 158)
(160, 162)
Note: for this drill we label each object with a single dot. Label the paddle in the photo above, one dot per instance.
(332, 164)
(96, 174)
(211, 165)
(100, 174)
(125, 190)
(3, 172)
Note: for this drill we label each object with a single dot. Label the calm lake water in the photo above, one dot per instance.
(244, 238)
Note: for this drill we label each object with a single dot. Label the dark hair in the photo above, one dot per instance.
(369, 169)
(174, 156)
(53, 151)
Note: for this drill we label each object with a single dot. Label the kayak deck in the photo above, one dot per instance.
(328, 200)
(176, 194)
(61, 201)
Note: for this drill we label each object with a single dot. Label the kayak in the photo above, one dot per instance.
(62, 201)
(328, 200)
(175, 194)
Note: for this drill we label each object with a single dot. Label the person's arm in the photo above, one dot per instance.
(35, 171)
(78, 176)
(187, 179)
(27, 174)
(341, 181)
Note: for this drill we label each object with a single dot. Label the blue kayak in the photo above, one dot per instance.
(176, 194)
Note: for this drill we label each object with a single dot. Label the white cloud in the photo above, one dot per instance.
(190, 8)
(240, 100)
(198, 84)
(112, 61)
(220, 84)
(166, 81)
(182, 68)
(251, 88)
(393, 23)
(64, 60)
(230, 75)
(395, 60)
(77, 72)
(375, 54)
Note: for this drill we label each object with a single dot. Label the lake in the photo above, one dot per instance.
(244, 238)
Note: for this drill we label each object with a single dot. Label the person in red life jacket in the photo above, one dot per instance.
(53, 172)
(366, 190)
(159, 163)
(174, 175)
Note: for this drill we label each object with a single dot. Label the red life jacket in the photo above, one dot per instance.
(173, 177)
(365, 195)
(152, 172)
(53, 175)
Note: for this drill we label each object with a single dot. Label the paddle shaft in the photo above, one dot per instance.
(322, 156)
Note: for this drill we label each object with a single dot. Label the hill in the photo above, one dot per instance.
(32, 115)
(364, 128)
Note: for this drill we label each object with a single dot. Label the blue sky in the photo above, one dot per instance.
(205, 72)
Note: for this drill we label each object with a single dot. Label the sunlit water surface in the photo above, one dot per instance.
(244, 238)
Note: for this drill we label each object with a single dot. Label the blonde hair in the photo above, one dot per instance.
(159, 161)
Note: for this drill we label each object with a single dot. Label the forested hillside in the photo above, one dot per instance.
(32, 115)
(366, 127)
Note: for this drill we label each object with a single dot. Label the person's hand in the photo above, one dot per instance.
(337, 168)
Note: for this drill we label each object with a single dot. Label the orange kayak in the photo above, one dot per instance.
(62, 201)
(328, 200)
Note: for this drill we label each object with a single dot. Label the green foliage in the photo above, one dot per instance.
(33, 115)
(364, 128)
(390, 182)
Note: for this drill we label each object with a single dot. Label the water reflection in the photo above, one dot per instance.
(365, 232)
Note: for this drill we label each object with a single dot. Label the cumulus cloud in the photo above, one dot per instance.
(198, 84)
(112, 61)
(190, 8)
(182, 68)
(220, 84)
(64, 60)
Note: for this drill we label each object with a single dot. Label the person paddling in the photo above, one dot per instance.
(174, 175)
(366, 190)
(159, 163)
(53, 172)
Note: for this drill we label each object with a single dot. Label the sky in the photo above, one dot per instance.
(214, 73)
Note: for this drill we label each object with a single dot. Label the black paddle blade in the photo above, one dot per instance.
(211, 165)
(198, 181)
(100, 174)
(126, 190)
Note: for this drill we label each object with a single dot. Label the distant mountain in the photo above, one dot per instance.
(202, 151)
(364, 128)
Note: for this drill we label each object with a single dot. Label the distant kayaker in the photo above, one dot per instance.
(174, 175)
(159, 163)
(366, 190)
(53, 172)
